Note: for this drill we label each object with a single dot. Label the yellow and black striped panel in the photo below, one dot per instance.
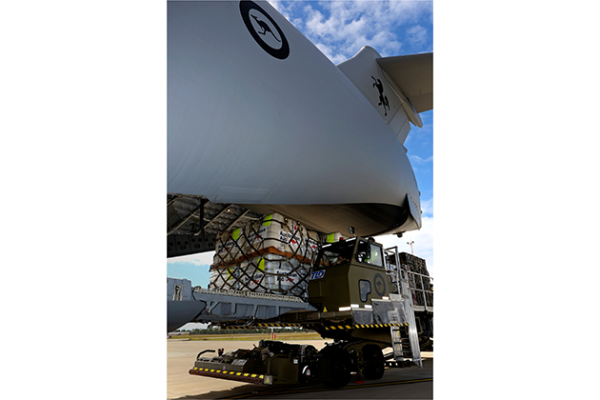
(313, 326)
(360, 326)
(276, 325)
(232, 375)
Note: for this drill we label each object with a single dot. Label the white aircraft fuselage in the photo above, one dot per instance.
(258, 116)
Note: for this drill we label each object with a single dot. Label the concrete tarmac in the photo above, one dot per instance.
(397, 383)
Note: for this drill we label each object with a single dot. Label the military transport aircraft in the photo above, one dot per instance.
(260, 121)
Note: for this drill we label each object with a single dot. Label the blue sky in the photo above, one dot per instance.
(339, 29)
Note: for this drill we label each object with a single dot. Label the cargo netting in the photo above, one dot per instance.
(273, 255)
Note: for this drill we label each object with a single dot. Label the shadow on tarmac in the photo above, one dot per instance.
(421, 386)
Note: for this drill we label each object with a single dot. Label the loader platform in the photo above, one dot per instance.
(230, 375)
(357, 297)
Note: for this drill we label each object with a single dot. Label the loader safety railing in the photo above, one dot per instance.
(256, 295)
(420, 285)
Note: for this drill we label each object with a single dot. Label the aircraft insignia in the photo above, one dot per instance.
(264, 30)
(383, 100)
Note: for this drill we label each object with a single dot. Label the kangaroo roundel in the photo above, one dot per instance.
(264, 30)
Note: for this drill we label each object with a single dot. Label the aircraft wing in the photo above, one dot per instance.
(414, 75)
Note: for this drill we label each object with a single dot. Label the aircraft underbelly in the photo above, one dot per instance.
(366, 219)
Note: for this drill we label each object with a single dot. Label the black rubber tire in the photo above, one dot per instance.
(334, 368)
(373, 361)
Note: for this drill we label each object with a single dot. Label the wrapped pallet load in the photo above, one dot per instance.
(273, 273)
(230, 247)
(226, 278)
(311, 246)
(275, 234)
(332, 238)
(275, 256)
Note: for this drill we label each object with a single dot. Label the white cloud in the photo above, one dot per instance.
(315, 22)
(279, 6)
(335, 58)
(427, 206)
(196, 259)
(286, 11)
(418, 160)
(417, 34)
(345, 26)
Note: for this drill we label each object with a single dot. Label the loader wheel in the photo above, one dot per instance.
(373, 362)
(334, 368)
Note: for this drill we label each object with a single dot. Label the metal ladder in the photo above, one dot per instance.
(397, 343)
(401, 349)
(404, 295)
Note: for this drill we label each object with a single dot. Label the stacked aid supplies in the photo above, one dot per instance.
(272, 255)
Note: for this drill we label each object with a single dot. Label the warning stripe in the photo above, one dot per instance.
(239, 376)
(360, 326)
